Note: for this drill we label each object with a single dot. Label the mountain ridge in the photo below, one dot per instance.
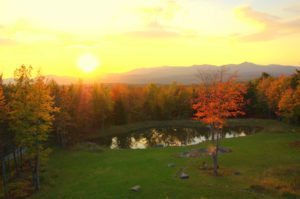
(180, 74)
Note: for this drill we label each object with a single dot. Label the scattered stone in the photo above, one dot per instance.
(237, 173)
(136, 188)
(184, 176)
(184, 154)
(204, 166)
(191, 154)
(171, 165)
(159, 145)
(203, 150)
(224, 150)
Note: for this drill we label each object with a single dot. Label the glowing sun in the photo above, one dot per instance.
(88, 63)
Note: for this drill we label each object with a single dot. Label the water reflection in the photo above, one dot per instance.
(162, 137)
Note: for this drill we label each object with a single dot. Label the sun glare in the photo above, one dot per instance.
(88, 63)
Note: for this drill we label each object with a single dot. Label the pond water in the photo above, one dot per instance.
(169, 136)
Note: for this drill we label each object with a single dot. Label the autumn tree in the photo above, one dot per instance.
(31, 117)
(151, 107)
(101, 105)
(119, 94)
(217, 101)
(63, 120)
(262, 88)
(3, 117)
(289, 105)
(135, 102)
(275, 90)
(295, 79)
(3, 138)
(2, 102)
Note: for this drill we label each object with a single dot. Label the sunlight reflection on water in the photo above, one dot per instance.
(163, 137)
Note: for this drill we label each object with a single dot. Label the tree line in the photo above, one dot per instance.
(36, 112)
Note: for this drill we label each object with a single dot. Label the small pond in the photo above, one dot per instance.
(169, 136)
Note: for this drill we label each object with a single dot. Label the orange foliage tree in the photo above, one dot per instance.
(275, 91)
(215, 103)
(289, 105)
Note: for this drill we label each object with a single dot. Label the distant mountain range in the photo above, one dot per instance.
(188, 75)
(183, 74)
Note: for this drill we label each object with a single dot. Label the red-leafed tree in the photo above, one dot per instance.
(217, 101)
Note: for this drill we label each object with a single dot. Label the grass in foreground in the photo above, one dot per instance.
(268, 163)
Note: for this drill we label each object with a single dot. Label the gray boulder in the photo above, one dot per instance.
(136, 188)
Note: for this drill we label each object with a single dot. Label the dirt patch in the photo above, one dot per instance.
(222, 171)
(284, 181)
(295, 144)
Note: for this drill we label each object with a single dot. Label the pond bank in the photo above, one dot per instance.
(271, 125)
(264, 165)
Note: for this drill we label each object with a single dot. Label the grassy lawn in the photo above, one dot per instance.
(267, 162)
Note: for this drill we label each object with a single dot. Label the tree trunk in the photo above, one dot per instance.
(215, 162)
(33, 173)
(212, 131)
(16, 163)
(36, 174)
(62, 140)
(8, 168)
(215, 156)
(102, 126)
(5, 190)
(21, 160)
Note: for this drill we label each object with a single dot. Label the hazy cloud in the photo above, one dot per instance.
(154, 33)
(7, 42)
(157, 20)
(295, 8)
(81, 46)
(272, 26)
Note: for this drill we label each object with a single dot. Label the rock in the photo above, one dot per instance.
(225, 150)
(194, 154)
(203, 150)
(171, 165)
(184, 154)
(237, 173)
(136, 188)
(204, 166)
(184, 176)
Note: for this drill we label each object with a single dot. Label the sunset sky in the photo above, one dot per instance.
(121, 35)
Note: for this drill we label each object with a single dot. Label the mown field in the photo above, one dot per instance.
(263, 165)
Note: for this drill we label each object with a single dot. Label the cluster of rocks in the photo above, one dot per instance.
(181, 174)
(193, 153)
(200, 152)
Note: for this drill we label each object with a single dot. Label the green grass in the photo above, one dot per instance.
(265, 160)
